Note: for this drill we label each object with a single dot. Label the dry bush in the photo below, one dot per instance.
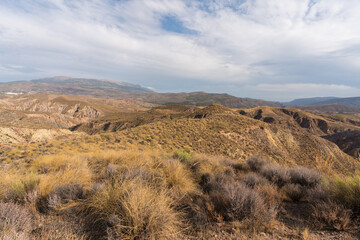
(241, 167)
(304, 177)
(295, 192)
(15, 221)
(199, 211)
(133, 210)
(252, 180)
(168, 173)
(275, 174)
(330, 215)
(64, 194)
(208, 184)
(203, 164)
(238, 202)
(178, 178)
(318, 193)
(255, 163)
(270, 194)
(62, 170)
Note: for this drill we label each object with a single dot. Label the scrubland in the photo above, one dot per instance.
(209, 173)
(152, 194)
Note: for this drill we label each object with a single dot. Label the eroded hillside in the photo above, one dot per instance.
(292, 137)
(43, 117)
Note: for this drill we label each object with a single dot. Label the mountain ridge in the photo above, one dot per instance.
(126, 91)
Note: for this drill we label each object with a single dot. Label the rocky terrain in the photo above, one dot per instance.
(35, 117)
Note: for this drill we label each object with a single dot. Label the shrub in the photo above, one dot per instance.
(252, 180)
(65, 193)
(318, 193)
(275, 174)
(238, 202)
(295, 192)
(15, 221)
(256, 163)
(202, 164)
(330, 215)
(133, 210)
(178, 178)
(182, 155)
(241, 167)
(346, 190)
(270, 194)
(304, 177)
(208, 185)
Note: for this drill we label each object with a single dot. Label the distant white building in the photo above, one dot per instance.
(13, 93)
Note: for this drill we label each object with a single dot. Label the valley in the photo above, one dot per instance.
(80, 158)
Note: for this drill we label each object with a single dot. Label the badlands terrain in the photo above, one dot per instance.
(97, 159)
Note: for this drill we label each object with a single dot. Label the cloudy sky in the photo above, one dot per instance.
(268, 49)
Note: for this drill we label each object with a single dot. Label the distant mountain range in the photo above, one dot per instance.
(68, 85)
(126, 91)
(321, 101)
(309, 101)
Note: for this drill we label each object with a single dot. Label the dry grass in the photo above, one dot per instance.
(134, 210)
(150, 194)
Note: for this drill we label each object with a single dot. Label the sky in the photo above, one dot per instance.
(267, 49)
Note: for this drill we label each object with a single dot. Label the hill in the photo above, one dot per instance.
(219, 130)
(203, 99)
(348, 141)
(68, 85)
(38, 117)
(332, 109)
(309, 101)
(183, 172)
(350, 102)
(318, 124)
(125, 91)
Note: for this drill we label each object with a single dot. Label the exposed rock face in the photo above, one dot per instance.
(293, 118)
(59, 111)
(348, 141)
(307, 122)
(26, 118)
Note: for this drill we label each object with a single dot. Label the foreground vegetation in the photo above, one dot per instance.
(149, 194)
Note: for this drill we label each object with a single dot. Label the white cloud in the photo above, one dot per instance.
(255, 43)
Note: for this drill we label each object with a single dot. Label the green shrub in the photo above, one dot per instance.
(346, 190)
(182, 155)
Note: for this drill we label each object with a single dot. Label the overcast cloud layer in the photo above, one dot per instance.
(269, 49)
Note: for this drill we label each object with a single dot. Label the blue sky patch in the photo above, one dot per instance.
(173, 24)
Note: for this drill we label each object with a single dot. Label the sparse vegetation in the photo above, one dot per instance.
(180, 178)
